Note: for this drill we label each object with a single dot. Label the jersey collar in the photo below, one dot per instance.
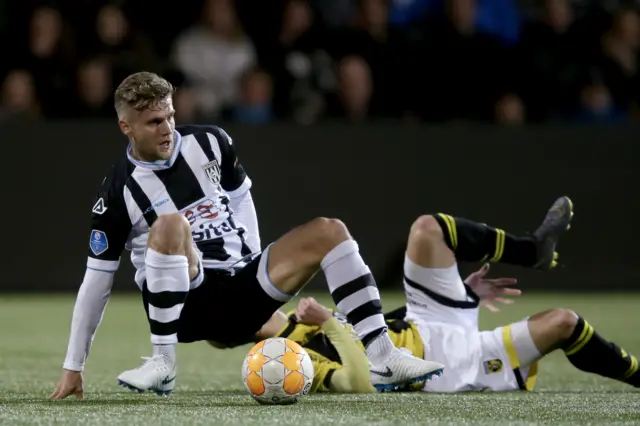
(160, 164)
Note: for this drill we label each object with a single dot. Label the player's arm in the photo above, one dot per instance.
(353, 376)
(237, 185)
(110, 226)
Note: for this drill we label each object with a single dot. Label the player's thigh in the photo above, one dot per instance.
(427, 300)
(509, 357)
(294, 258)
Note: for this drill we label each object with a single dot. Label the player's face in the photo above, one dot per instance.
(151, 131)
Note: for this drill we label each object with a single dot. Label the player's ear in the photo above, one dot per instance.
(124, 127)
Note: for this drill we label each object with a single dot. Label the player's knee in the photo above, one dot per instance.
(425, 229)
(563, 322)
(329, 232)
(169, 233)
(323, 234)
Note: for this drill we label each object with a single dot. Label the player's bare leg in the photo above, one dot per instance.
(326, 244)
(171, 263)
(427, 250)
(582, 345)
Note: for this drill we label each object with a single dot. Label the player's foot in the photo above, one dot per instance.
(401, 371)
(556, 222)
(156, 374)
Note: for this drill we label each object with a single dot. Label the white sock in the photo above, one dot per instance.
(168, 285)
(167, 351)
(380, 348)
(355, 293)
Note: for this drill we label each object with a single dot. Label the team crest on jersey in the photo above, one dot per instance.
(212, 171)
(492, 366)
(98, 242)
(99, 207)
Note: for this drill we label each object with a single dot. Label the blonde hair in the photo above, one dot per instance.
(140, 91)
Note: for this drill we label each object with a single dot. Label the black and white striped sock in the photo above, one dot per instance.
(354, 290)
(168, 286)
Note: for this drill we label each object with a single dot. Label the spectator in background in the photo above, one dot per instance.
(254, 105)
(551, 59)
(18, 97)
(618, 60)
(352, 100)
(94, 89)
(463, 71)
(501, 19)
(127, 50)
(213, 56)
(49, 56)
(597, 106)
(384, 51)
(301, 67)
(403, 13)
(510, 110)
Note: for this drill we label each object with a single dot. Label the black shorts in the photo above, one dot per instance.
(228, 307)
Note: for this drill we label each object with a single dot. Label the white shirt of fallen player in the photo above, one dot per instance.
(445, 310)
(96, 286)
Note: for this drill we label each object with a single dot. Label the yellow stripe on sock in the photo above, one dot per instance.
(583, 340)
(583, 334)
(454, 230)
(451, 226)
(624, 353)
(633, 369)
(500, 236)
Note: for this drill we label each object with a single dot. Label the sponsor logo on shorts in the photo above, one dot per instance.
(493, 366)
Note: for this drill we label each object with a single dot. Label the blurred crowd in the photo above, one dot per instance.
(259, 61)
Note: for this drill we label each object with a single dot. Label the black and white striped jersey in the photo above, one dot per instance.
(198, 181)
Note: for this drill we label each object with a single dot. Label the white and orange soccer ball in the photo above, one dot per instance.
(277, 371)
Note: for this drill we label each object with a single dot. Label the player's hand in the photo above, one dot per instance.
(491, 291)
(310, 312)
(70, 384)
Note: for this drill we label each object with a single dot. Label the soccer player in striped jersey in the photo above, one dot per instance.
(180, 201)
(440, 320)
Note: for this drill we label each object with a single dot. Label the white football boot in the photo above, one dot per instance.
(156, 374)
(401, 371)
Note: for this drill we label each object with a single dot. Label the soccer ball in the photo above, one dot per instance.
(277, 371)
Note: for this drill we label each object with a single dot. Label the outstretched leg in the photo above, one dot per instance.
(326, 244)
(582, 345)
(472, 241)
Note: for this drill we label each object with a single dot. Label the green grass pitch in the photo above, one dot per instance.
(210, 391)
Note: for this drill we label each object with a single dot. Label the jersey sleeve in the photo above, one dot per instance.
(110, 225)
(323, 370)
(233, 178)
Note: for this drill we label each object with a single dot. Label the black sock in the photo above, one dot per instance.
(589, 352)
(474, 242)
